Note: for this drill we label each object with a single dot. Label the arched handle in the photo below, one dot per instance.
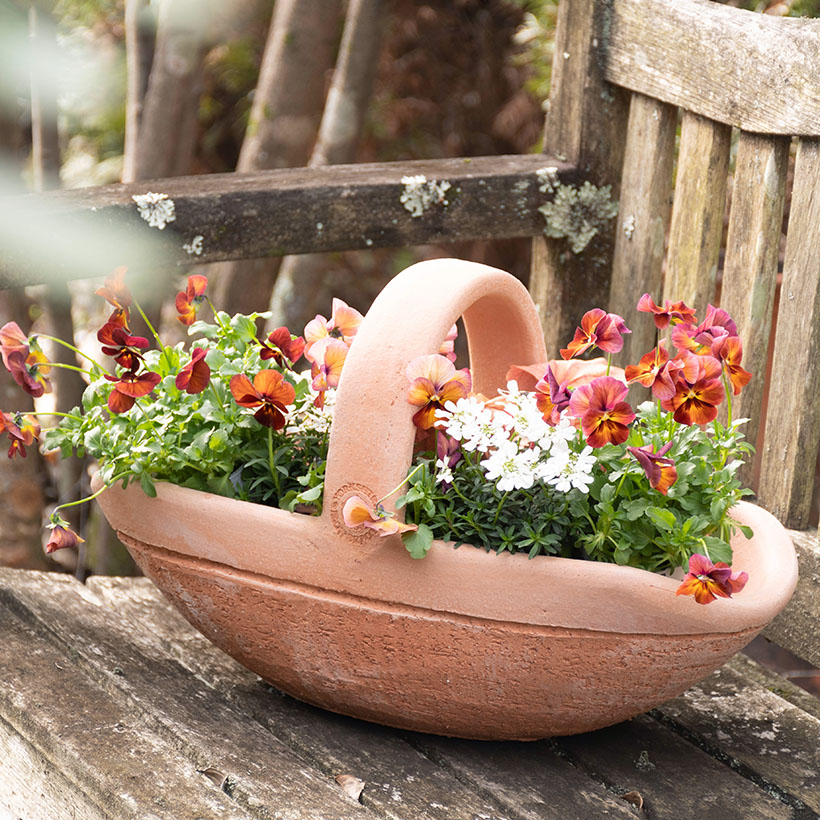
(371, 440)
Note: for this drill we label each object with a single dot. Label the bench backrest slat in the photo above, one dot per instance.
(793, 418)
(748, 70)
(751, 262)
(697, 213)
(643, 215)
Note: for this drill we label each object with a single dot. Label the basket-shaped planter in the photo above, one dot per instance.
(464, 642)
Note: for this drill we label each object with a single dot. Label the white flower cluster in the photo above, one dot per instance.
(156, 209)
(520, 448)
(312, 419)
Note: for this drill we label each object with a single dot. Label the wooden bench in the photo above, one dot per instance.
(112, 706)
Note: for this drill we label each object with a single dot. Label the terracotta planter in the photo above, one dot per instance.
(461, 643)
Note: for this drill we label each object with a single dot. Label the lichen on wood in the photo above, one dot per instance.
(578, 214)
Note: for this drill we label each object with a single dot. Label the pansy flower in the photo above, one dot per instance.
(653, 371)
(604, 414)
(551, 398)
(329, 358)
(356, 512)
(196, 375)
(448, 346)
(282, 346)
(12, 339)
(659, 469)
(671, 311)
(708, 581)
(343, 324)
(125, 349)
(29, 368)
(22, 431)
(696, 402)
(188, 301)
(129, 387)
(434, 381)
(62, 536)
(598, 329)
(728, 350)
(269, 392)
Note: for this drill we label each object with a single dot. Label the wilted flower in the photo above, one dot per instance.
(22, 430)
(356, 512)
(62, 536)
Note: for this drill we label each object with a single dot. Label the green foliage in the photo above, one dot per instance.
(204, 441)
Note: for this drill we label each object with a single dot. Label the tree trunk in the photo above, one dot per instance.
(287, 107)
(302, 282)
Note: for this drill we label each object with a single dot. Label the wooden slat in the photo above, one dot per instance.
(793, 420)
(155, 692)
(779, 743)
(273, 213)
(642, 756)
(643, 217)
(585, 125)
(697, 213)
(750, 264)
(752, 71)
(797, 628)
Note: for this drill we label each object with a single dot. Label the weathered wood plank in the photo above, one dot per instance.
(758, 731)
(790, 448)
(530, 777)
(585, 126)
(400, 781)
(52, 715)
(186, 714)
(750, 264)
(643, 756)
(697, 213)
(752, 71)
(274, 213)
(797, 628)
(643, 217)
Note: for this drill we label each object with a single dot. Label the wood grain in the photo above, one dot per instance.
(750, 264)
(643, 218)
(752, 71)
(792, 433)
(272, 213)
(697, 213)
(585, 126)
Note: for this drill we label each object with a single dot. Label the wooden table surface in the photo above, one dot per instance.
(112, 706)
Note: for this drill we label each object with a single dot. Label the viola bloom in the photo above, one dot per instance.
(196, 375)
(329, 358)
(717, 323)
(281, 346)
(434, 381)
(12, 339)
(708, 581)
(115, 291)
(671, 311)
(697, 402)
(653, 371)
(358, 513)
(604, 414)
(269, 392)
(125, 349)
(551, 397)
(188, 302)
(729, 351)
(598, 329)
(659, 469)
(22, 431)
(62, 536)
(448, 346)
(29, 368)
(129, 387)
(343, 324)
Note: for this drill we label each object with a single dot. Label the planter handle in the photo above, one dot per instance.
(371, 440)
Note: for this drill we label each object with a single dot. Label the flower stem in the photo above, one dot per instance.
(274, 473)
(91, 497)
(153, 333)
(71, 347)
(216, 314)
(399, 486)
(64, 366)
(500, 505)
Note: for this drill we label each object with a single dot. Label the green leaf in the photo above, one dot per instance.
(418, 542)
(148, 486)
(665, 519)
